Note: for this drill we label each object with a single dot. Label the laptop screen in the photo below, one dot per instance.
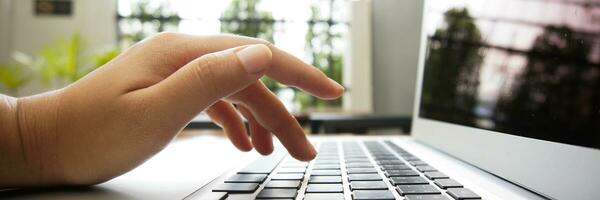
(522, 67)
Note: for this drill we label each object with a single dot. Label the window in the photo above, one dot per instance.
(313, 30)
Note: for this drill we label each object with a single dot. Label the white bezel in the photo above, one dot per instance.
(555, 170)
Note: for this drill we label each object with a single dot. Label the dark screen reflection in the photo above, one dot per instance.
(523, 67)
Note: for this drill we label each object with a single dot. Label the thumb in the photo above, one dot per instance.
(209, 78)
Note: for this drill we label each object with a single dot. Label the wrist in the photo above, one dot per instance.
(30, 145)
(37, 122)
(12, 162)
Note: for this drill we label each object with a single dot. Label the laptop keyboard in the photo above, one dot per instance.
(368, 170)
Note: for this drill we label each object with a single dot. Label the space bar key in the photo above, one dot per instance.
(264, 164)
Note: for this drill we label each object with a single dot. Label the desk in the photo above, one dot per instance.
(331, 122)
(180, 169)
(357, 123)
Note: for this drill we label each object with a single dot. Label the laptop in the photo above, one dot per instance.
(507, 106)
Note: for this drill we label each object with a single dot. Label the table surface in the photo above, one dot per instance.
(193, 159)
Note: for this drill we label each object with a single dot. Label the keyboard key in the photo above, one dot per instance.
(326, 166)
(294, 165)
(368, 185)
(246, 178)
(435, 175)
(355, 156)
(328, 156)
(372, 195)
(362, 171)
(417, 189)
(324, 188)
(325, 179)
(364, 177)
(324, 196)
(413, 180)
(283, 184)
(333, 156)
(390, 157)
(287, 177)
(462, 193)
(390, 162)
(325, 162)
(427, 197)
(322, 172)
(404, 153)
(293, 161)
(447, 183)
(425, 168)
(411, 158)
(291, 170)
(417, 162)
(264, 164)
(357, 160)
(216, 196)
(277, 194)
(236, 187)
(359, 165)
(394, 167)
(396, 173)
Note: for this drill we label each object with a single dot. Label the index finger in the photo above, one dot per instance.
(286, 68)
(270, 113)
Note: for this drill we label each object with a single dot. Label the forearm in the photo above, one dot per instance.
(12, 160)
(23, 149)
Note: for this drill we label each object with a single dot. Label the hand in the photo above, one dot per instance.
(120, 115)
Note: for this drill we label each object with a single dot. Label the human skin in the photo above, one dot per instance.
(123, 113)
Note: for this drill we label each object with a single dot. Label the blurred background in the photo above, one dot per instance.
(48, 44)
(500, 65)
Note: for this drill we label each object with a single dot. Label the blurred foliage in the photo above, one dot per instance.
(56, 65)
(13, 77)
(60, 60)
(319, 45)
(64, 60)
(452, 69)
(150, 18)
(242, 18)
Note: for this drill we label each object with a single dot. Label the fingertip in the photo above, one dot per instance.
(242, 144)
(305, 157)
(245, 148)
(265, 151)
(308, 155)
(265, 146)
(337, 92)
(333, 90)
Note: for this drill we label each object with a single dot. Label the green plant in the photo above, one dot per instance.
(242, 18)
(13, 77)
(65, 61)
(145, 13)
(61, 62)
(319, 45)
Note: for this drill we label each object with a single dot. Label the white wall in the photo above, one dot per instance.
(21, 30)
(5, 19)
(95, 20)
(396, 35)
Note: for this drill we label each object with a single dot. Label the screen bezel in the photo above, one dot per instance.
(552, 169)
